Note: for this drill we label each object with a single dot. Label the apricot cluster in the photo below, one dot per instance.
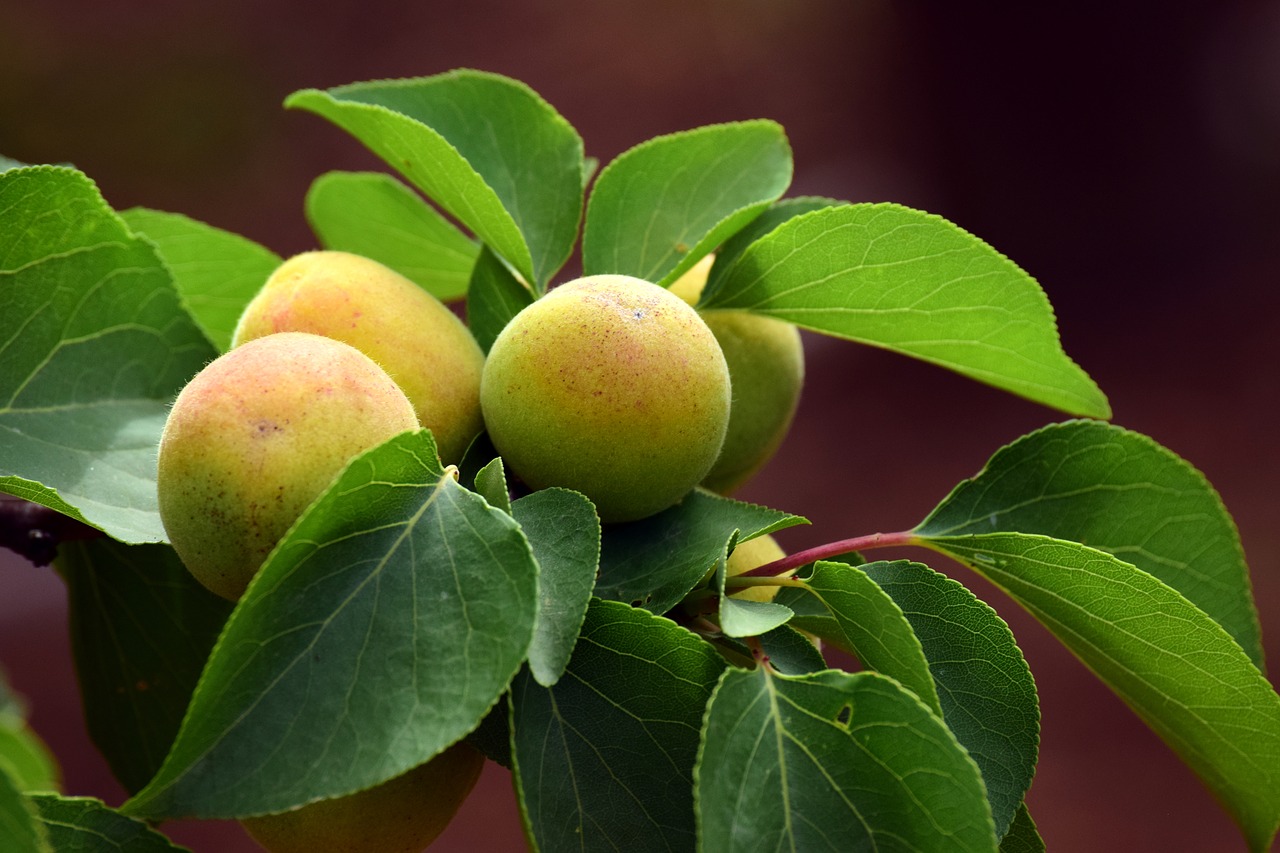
(334, 356)
(608, 385)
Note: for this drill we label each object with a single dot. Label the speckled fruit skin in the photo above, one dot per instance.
(766, 364)
(611, 386)
(402, 815)
(753, 554)
(255, 437)
(423, 345)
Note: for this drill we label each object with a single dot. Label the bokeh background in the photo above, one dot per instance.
(1128, 157)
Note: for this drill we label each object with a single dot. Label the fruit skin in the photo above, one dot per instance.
(766, 365)
(402, 815)
(753, 554)
(423, 345)
(611, 386)
(255, 437)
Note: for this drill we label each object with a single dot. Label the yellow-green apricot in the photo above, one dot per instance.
(753, 554)
(766, 365)
(422, 344)
(612, 386)
(402, 815)
(255, 437)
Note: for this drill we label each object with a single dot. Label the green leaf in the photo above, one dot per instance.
(660, 207)
(7, 163)
(27, 760)
(20, 830)
(216, 272)
(985, 689)
(745, 618)
(494, 297)
(871, 626)
(1173, 665)
(23, 755)
(1022, 837)
(484, 147)
(791, 652)
(833, 761)
(1121, 492)
(564, 531)
(381, 630)
(141, 631)
(773, 216)
(913, 283)
(93, 343)
(85, 825)
(491, 484)
(654, 562)
(788, 651)
(374, 215)
(604, 759)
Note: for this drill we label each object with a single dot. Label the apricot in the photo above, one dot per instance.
(255, 437)
(412, 335)
(766, 365)
(611, 386)
(753, 554)
(402, 815)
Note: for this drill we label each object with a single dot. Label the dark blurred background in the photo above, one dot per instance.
(1128, 158)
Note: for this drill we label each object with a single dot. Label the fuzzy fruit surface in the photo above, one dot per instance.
(255, 437)
(766, 365)
(402, 815)
(611, 386)
(413, 336)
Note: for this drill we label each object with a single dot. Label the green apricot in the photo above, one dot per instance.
(402, 815)
(422, 344)
(753, 554)
(255, 437)
(766, 365)
(611, 386)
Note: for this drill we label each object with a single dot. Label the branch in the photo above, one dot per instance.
(833, 549)
(35, 532)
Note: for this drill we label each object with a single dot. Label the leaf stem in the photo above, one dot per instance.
(834, 549)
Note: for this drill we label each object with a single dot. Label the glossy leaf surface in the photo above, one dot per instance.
(911, 282)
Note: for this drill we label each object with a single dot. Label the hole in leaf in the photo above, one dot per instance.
(845, 715)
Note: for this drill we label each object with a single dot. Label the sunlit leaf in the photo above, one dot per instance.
(85, 825)
(484, 147)
(1121, 492)
(20, 829)
(913, 283)
(663, 205)
(216, 272)
(1173, 665)
(374, 215)
(93, 343)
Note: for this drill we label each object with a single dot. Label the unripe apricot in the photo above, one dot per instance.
(255, 437)
(611, 386)
(413, 336)
(766, 365)
(753, 554)
(402, 815)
